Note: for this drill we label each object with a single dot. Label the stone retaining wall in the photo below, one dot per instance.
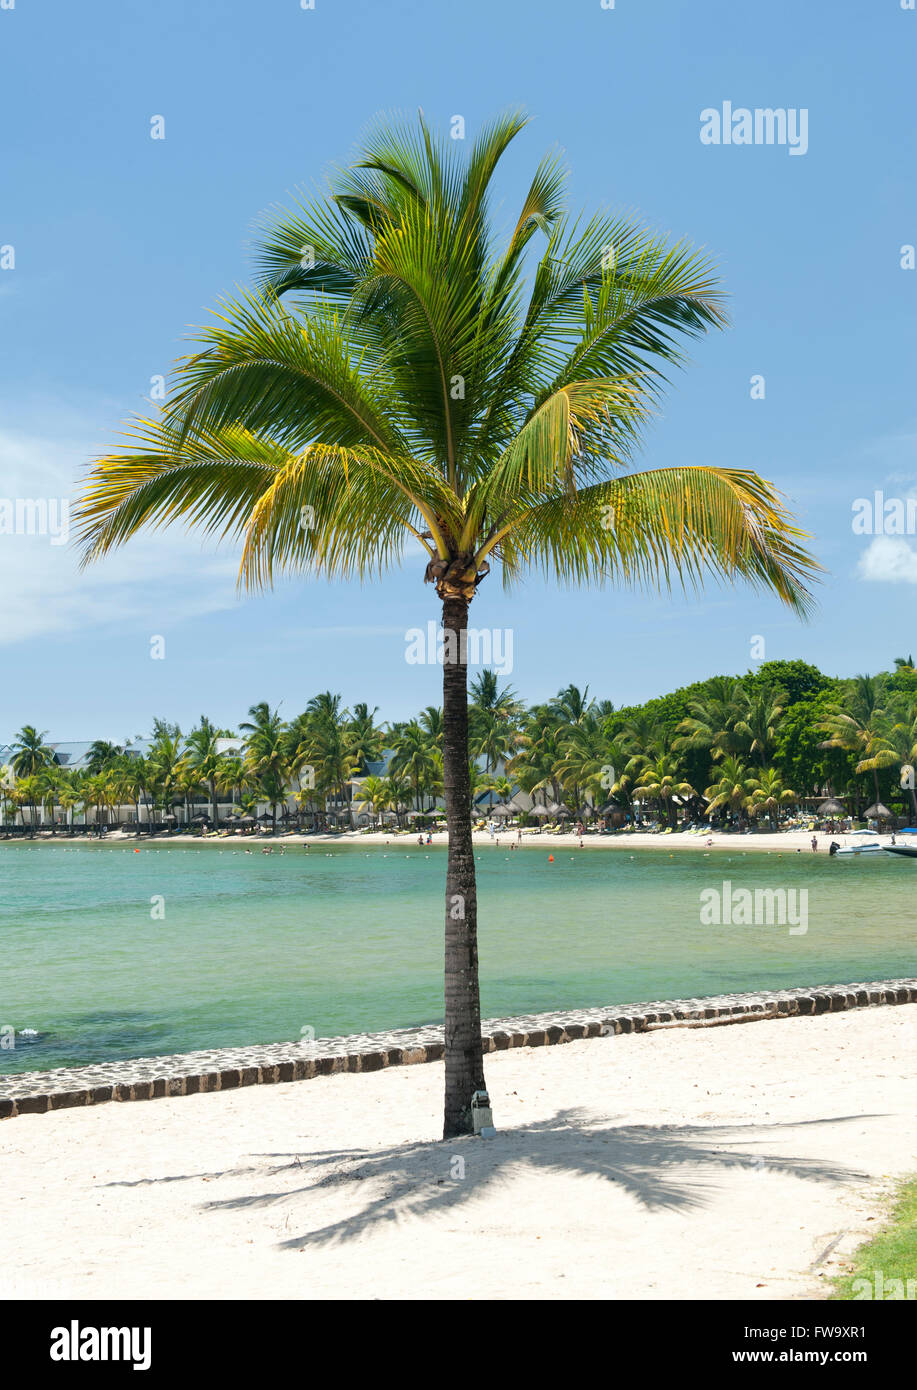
(185, 1074)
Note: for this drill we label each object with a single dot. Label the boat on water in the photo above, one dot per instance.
(873, 847)
(908, 851)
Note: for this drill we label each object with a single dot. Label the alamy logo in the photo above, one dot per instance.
(884, 516)
(761, 126)
(763, 907)
(474, 647)
(882, 1289)
(36, 516)
(75, 1343)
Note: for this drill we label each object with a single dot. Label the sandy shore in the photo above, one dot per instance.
(781, 842)
(739, 1162)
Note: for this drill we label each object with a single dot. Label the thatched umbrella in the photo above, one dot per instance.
(540, 811)
(502, 811)
(558, 808)
(609, 808)
(878, 812)
(832, 807)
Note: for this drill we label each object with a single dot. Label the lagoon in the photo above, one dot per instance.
(108, 954)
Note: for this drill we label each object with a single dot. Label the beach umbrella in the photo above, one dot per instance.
(559, 809)
(502, 811)
(878, 811)
(540, 811)
(831, 807)
(609, 807)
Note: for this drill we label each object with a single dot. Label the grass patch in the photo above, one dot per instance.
(891, 1254)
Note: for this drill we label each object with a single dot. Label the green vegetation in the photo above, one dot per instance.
(891, 1255)
(740, 750)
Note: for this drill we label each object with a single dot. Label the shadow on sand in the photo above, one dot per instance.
(417, 1179)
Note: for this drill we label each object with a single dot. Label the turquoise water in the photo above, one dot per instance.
(253, 948)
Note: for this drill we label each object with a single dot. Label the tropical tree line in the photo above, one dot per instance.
(729, 748)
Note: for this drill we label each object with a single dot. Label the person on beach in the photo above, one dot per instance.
(814, 844)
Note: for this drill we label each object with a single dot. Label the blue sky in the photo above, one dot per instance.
(121, 242)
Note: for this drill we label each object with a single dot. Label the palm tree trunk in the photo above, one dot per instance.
(464, 1053)
(213, 804)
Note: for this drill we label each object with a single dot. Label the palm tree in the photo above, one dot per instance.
(760, 724)
(68, 798)
(30, 756)
(769, 794)
(266, 756)
(589, 756)
(164, 764)
(416, 759)
(373, 796)
(49, 781)
(186, 784)
(29, 789)
(713, 719)
(330, 748)
(204, 757)
(15, 800)
(102, 755)
(493, 716)
(662, 781)
(364, 739)
(431, 721)
(95, 792)
(398, 793)
(734, 788)
(860, 726)
(427, 384)
(535, 762)
(232, 776)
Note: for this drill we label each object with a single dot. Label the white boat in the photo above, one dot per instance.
(873, 847)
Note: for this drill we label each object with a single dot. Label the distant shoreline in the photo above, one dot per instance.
(781, 842)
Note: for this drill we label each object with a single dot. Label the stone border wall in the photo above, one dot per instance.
(185, 1074)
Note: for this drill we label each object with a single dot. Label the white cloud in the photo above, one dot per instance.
(887, 560)
(151, 584)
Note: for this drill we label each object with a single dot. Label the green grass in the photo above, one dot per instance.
(892, 1253)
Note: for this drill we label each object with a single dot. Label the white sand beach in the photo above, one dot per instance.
(741, 1162)
(779, 842)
